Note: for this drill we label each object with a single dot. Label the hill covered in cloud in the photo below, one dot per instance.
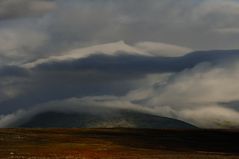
(190, 87)
(107, 118)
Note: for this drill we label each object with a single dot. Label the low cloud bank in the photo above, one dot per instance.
(200, 96)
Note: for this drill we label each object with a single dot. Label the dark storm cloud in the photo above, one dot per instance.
(201, 95)
(135, 64)
(94, 76)
(13, 71)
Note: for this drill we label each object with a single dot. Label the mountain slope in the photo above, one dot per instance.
(123, 118)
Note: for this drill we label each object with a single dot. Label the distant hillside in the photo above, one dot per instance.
(122, 118)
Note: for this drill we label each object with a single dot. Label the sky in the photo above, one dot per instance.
(173, 58)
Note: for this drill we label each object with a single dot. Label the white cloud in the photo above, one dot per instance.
(211, 117)
(6, 120)
(107, 49)
(195, 96)
(201, 85)
(97, 105)
(162, 49)
(143, 48)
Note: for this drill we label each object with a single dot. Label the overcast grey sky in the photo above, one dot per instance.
(33, 28)
(136, 52)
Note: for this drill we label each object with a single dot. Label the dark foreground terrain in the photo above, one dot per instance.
(118, 144)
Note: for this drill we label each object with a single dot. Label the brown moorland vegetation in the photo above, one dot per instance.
(118, 144)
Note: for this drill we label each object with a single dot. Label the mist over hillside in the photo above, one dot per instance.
(111, 119)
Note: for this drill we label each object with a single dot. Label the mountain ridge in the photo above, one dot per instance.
(123, 119)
